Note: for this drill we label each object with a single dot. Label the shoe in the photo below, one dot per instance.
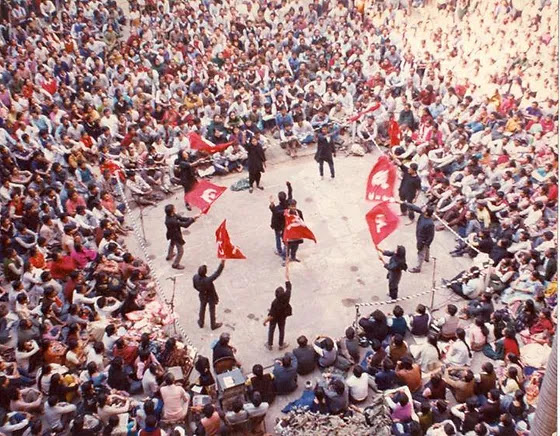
(283, 263)
(283, 346)
(188, 206)
(277, 253)
(169, 257)
(217, 326)
(177, 267)
(456, 254)
(250, 190)
(268, 346)
(414, 270)
(260, 187)
(200, 324)
(410, 223)
(295, 259)
(427, 260)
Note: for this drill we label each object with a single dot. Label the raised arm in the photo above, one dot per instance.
(218, 271)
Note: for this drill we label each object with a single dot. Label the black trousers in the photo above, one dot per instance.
(281, 323)
(408, 198)
(212, 309)
(255, 178)
(292, 249)
(394, 279)
(331, 166)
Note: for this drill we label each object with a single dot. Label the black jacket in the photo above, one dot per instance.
(277, 221)
(280, 307)
(325, 148)
(185, 173)
(425, 231)
(410, 185)
(174, 224)
(255, 158)
(395, 263)
(205, 285)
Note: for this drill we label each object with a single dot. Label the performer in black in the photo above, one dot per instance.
(173, 223)
(256, 163)
(207, 293)
(280, 309)
(395, 267)
(325, 151)
(185, 173)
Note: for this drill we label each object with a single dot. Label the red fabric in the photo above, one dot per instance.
(361, 114)
(511, 346)
(226, 250)
(50, 86)
(112, 167)
(381, 180)
(394, 133)
(62, 267)
(204, 194)
(382, 221)
(295, 228)
(199, 143)
(542, 325)
(553, 192)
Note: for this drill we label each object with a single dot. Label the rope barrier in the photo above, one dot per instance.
(158, 288)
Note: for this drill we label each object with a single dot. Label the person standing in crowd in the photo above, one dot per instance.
(409, 187)
(256, 163)
(207, 294)
(279, 310)
(325, 151)
(425, 231)
(395, 267)
(174, 235)
(277, 220)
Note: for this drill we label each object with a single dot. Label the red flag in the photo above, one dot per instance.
(296, 229)
(362, 113)
(382, 221)
(381, 180)
(226, 250)
(199, 143)
(203, 194)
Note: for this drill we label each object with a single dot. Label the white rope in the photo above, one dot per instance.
(159, 288)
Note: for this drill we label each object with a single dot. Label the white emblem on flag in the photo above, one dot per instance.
(209, 195)
(380, 222)
(380, 179)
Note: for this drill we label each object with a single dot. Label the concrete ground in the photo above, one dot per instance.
(340, 270)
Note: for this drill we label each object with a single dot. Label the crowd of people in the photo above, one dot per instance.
(97, 100)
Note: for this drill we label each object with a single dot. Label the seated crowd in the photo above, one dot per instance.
(84, 112)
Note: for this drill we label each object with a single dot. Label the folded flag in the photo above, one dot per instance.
(202, 144)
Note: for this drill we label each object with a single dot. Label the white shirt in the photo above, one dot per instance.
(458, 354)
(358, 387)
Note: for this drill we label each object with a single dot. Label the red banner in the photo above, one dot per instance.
(382, 221)
(381, 181)
(226, 250)
(364, 112)
(204, 194)
(296, 229)
(202, 144)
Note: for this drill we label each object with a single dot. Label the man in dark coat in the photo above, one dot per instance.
(207, 293)
(280, 309)
(325, 151)
(424, 234)
(277, 220)
(409, 187)
(185, 173)
(174, 235)
(256, 163)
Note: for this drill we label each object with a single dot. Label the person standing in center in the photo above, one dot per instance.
(425, 232)
(325, 151)
(409, 187)
(256, 163)
(277, 220)
(207, 293)
(395, 267)
(174, 222)
(280, 309)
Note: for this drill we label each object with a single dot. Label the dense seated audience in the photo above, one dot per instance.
(93, 92)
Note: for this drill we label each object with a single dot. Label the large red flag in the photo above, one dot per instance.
(226, 250)
(203, 194)
(295, 228)
(381, 181)
(382, 221)
(202, 144)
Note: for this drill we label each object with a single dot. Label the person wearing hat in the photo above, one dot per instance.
(173, 223)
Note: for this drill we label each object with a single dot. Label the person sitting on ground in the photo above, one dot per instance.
(386, 378)
(400, 405)
(349, 346)
(285, 374)
(262, 383)
(358, 384)
(257, 407)
(305, 356)
(461, 383)
(409, 373)
(448, 324)
(327, 351)
(459, 352)
(419, 323)
(375, 326)
(397, 349)
(337, 394)
(237, 413)
(397, 323)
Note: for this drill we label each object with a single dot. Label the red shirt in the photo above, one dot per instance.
(62, 267)
(511, 346)
(553, 192)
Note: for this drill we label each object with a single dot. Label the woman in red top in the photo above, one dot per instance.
(544, 323)
(510, 343)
